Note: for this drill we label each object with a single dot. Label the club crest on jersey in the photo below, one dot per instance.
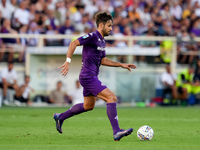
(85, 36)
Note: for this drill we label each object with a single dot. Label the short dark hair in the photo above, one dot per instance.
(102, 17)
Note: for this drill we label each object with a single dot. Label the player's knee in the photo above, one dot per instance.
(88, 107)
(112, 99)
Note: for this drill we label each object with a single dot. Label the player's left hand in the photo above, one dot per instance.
(129, 66)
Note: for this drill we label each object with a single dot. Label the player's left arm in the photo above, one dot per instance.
(107, 62)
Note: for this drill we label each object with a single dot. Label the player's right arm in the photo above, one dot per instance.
(83, 40)
(71, 49)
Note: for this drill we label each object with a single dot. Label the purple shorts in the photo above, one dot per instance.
(91, 85)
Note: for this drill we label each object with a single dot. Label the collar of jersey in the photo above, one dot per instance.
(97, 32)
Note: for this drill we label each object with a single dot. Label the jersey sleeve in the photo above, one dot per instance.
(88, 39)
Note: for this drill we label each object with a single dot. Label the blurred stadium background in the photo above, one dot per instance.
(35, 34)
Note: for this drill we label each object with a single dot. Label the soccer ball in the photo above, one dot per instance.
(145, 133)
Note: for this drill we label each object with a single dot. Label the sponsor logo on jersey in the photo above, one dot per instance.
(101, 48)
(85, 36)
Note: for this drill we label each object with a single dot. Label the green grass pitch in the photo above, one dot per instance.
(175, 128)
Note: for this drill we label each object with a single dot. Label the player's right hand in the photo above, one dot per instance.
(65, 69)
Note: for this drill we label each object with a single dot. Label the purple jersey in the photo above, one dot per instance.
(93, 51)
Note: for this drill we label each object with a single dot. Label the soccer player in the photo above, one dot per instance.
(93, 56)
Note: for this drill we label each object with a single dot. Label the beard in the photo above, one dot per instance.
(105, 33)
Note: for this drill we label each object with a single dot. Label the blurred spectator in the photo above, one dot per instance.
(196, 27)
(50, 32)
(127, 31)
(119, 10)
(196, 83)
(186, 24)
(23, 93)
(61, 9)
(176, 10)
(136, 28)
(71, 6)
(119, 43)
(32, 11)
(197, 70)
(40, 19)
(150, 27)
(158, 5)
(186, 46)
(52, 20)
(1, 53)
(186, 12)
(14, 3)
(133, 14)
(57, 96)
(145, 15)
(197, 8)
(184, 82)
(50, 4)
(76, 17)
(166, 46)
(40, 6)
(21, 16)
(85, 23)
(52, 24)
(6, 9)
(123, 23)
(195, 1)
(192, 47)
(156, 17)
(182, 46)
(117, 20)
(107, 6)
(1, 19)
(193, 17)
(144, 43)
(8, 80)
(166, 51)
(168, 80)
(165, 12)
(77, 94)
(33, 29)
(118, 35)
(10, 44)
(23, 42)
(91, 8)
(175, 24)
(67, 29)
